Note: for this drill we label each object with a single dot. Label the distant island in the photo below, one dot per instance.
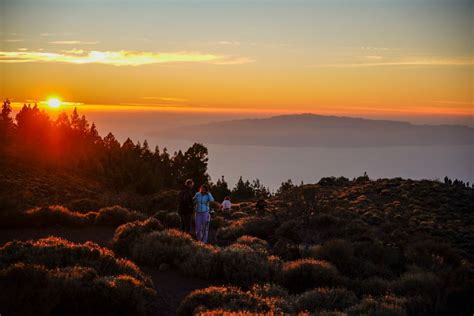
(311, 130)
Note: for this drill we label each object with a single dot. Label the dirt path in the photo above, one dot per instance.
(170, 286)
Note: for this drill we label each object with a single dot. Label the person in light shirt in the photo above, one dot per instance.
(226, 204)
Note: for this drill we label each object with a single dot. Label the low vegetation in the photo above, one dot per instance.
(341, 246)
(56, 215)
(54, 276)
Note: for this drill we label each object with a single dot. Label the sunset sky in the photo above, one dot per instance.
(384, 58)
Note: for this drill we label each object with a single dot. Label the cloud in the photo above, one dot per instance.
(414, 62)
(72, 43)
(167, 99)
(14, 40)
(119, 58)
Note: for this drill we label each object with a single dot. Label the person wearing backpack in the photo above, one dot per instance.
(202, 200)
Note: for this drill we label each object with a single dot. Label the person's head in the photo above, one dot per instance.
(204, 189)
(227, 198)
(189, 183)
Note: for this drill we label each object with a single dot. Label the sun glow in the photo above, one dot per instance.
(54, 103)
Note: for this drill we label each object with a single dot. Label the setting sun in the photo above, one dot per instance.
(54, 103)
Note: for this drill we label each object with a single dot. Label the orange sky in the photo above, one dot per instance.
(387, 60)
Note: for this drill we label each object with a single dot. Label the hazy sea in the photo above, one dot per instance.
(273, 165)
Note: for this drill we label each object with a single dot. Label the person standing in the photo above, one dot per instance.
(186, 206)
(260, 206)
(202, 200)
(226, 204)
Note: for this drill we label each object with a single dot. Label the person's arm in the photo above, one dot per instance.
(211, 198)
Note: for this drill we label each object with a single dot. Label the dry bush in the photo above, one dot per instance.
(117, 215)
(387, 305)
(423, 291)
(52, 276)
(225, 298)
(300, 275)
(168, 219)
(176, 248)
(55, 215)
(84, 205)
(255, 243)
(242, 265)
(325, 299)
(337, 251)
(269, 290)
(218, 222)
(261, 227)
(238, 215)
(127, 235)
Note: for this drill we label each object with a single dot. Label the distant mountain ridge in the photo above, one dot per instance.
(311, 130)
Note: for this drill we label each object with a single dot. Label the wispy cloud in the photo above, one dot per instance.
(413, 62)
(233, 43)
(119, 58)
(13, 40)
(166, 99)
(72, 43)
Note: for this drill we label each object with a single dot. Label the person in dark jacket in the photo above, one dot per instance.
(186, 205)
(260, 206)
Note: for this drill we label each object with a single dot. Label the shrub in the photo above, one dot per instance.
(177, 249)
(54, 215)
(388, 305)
(321, 299)
(164, 200)
(117, 215)
(84, 205)
(422, 289)
(238, 215)
(54, 276)
(373, 286)
(128, 234)
(168, 219)
(269, 290)
(218, 222)
(255, 243)
(225, 298)
(240, 264)
(304, 274)
(260, 227)
(54, 252)
(433, 256)
(337, 251)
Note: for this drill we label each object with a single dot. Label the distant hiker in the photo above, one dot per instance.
(202, 199)
(186, 205)
(226, 204)
(260, 206)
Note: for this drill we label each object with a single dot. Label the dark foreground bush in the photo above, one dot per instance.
(55, 215)
(128, 234)
(304, 274)
(323, 299)
(242, 265)
(168, 219)
(146, 242)
(255, 243)
(117, 215)
(260, 227)
(387, 305)
(52, 276)
(225, 298)
(176, 248)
